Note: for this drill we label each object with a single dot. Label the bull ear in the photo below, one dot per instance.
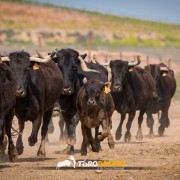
(130, 69)
(84, 80)
(83, 55)
(106, 87)
(107, 84)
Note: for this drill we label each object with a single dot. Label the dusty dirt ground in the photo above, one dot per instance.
(161, 153)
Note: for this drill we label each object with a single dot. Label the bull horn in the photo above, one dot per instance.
(164, 69)
(95, 59)
(84, 67)
(134, 63)
(40, 60)
(2, 59)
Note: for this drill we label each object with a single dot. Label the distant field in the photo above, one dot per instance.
(108, 30)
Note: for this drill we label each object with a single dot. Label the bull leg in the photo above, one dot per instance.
(71, 139)
(2, 135)
(139, 135)
(127, 137)
(85, 142)
(46, 119)
(164, 122)
(11, 148)
(32, 140)
(61, 126)
(50, 130)
(106, 133)
(97, 142)
(91, 139)
(119, 129)
(150, 123)
(19, 142)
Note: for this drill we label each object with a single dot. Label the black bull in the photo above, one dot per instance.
(7, 104)
(165, 87)
(74, 70)
(132, 88)
(38, 88)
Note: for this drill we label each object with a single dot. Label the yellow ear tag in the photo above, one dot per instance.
(36, 66)
(107, 90)
(164, 74)
(130, 69)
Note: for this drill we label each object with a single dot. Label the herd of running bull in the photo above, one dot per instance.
(30, 86)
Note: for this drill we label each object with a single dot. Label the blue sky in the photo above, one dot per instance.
(155, 10)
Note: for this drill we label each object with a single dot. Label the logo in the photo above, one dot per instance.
(71, 163)
(67, 163)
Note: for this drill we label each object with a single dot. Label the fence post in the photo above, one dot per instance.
(121, 55)
(90, 34)
(160, 59)
(169, 62)
(147, 60)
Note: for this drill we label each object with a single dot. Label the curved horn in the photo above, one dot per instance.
(5, 59)
(40, 60)
(84, 67)
(164, 68)
(95, 59)
(134, 63)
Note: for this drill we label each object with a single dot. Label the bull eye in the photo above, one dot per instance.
(27, 69)
(74, 69)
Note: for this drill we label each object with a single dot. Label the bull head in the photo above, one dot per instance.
(93, 91)
(20, 64)
(119, 71)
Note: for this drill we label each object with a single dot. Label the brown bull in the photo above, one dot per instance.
(95, 108)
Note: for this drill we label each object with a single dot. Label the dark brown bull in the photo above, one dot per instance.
(7, 105)
(38, 87)
(95, 108)
(165, 87)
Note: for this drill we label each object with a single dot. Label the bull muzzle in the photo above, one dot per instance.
(117, 88)
(20, 93)
(91, 102)
(67, 91)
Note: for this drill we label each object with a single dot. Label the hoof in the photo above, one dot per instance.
(161, 130)
(100, 137)
(111, 144)
(150, 135)
(139, 135)
(2, 150)
(13, 158)
(41, 153)
(83, 152)
(32, 141)
(19, 149)
(69, 150)
(95, 148)
(118, 136)
(13, 155)
(127, 137)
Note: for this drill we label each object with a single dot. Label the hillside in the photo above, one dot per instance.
(23, 22)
